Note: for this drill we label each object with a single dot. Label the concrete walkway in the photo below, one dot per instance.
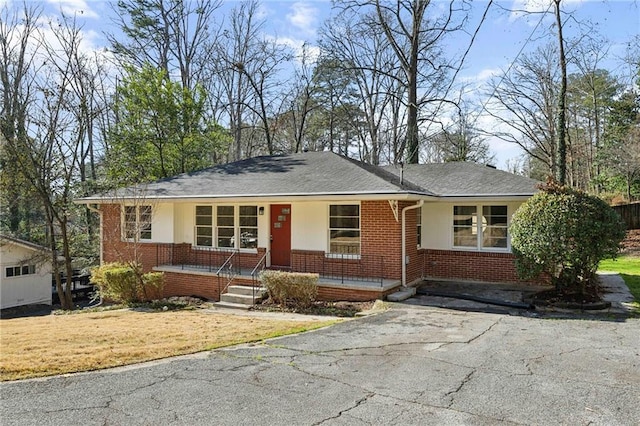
(411, 365)
(614, 290)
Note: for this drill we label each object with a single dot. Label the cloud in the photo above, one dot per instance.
(303, 16)
(299, 47)
(522, 8)
(483, 76)
(74, 7)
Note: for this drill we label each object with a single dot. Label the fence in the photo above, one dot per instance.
(630, 213)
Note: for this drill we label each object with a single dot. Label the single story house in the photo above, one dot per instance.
(25, 273)
(367, 230)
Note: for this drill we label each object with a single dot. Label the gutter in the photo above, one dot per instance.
(404, 240)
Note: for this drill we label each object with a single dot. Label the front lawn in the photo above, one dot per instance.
(628, 267)
(57, 344)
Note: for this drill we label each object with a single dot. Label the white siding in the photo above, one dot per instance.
(162, 224)
(184, 223)
(309, 225)
(27, 289)
(264, 230)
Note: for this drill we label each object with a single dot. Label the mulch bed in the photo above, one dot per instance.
(335, 309)
(590, 299)
(631, 244)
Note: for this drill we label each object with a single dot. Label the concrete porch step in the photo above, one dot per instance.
(246, 290)
(243, 295)
(230, 305)
(238, 298)
(402, 294)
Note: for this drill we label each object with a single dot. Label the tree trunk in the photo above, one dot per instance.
(561, 169)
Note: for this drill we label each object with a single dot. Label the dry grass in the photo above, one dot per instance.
(57, 344)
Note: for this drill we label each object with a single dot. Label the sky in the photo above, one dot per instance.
(505, 34)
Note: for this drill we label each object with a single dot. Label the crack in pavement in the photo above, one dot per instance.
(354, 406)
(452, 393)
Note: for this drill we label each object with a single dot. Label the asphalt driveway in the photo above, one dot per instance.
(409, 365)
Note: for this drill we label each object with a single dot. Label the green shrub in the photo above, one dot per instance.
(126, 283)
(291, 288)
(564, 233)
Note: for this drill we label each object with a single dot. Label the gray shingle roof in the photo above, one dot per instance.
(310, 173)
(326, 173)
(465, 179)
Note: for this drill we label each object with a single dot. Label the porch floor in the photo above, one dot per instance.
(369, 284)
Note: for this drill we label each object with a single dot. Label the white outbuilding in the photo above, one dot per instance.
(25, 273)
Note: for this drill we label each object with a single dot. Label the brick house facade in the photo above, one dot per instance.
(306, 185)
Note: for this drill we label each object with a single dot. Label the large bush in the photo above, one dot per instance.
(126, 283)
(564, 233)
(291, 288)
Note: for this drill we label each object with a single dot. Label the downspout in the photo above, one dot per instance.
(93, 209)
(404, 239)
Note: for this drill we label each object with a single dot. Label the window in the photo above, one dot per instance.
(419, 226)
(465, 226)
(137, 222)
(487, 232)
(494, 227)
(16, 271)
(204, 226)
(225, 229)
(248, 226)
(235, 226)
(344, 229)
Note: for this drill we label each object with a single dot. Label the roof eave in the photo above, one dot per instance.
(362, 195)
(487, 197)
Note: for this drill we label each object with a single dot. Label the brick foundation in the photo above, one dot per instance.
(470, 266)
(333, 294)
(181, 284)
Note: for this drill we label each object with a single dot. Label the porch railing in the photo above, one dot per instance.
(228, 271)
(226, 263)
(255, 274)
(342, 267)
(188, 257)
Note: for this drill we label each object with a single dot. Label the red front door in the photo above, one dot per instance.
(281, 235)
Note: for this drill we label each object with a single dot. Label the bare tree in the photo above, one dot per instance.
(247, 76)
(524, 104)
(561, 170)
(48, 149)
(173, 35)
(357, 50)
(17, 30)
(299, 104)
(415, 36)
(461, 142)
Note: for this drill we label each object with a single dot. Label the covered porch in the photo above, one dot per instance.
(209, 272)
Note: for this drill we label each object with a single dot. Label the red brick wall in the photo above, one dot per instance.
(180, 284)
(470, 265)
(331, 294)
(381, 235)
(114, 249)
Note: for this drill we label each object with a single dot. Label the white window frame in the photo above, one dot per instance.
(237, 227)
(139, 225)
(210, 226)
(31, 270)
(328, 252)
(479, 228)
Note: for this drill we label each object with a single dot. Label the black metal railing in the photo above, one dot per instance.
(187, 256)
(343, 267)
(228, 271)
(255, 274)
